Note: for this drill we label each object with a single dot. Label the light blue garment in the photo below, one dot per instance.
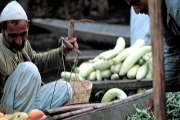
(23, 90)
(139, 27)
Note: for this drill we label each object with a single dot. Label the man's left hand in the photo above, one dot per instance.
(73, 42)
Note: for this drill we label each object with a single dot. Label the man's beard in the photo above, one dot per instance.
(14, 47)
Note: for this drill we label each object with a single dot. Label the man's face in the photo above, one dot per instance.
(16, 35)
(140, 6)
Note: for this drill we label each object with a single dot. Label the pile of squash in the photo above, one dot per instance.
(134, 62)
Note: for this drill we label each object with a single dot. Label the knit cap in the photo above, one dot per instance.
(13, 11)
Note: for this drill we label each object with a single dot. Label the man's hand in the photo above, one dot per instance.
(73, 42)
(150, 105)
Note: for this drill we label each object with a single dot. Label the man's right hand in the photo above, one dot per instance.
(150, 105)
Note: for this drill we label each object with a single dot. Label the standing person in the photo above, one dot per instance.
(139, 27)
(20, 67)
(171, 31)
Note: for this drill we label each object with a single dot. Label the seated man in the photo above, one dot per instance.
(20, 67)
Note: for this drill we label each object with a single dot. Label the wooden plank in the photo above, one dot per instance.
(158, 59)
(123, 84)
(97, 32)
(84, 56)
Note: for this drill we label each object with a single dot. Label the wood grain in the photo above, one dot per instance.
(158, 58)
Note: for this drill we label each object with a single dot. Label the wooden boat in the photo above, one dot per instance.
(115, 110)
(93, 32)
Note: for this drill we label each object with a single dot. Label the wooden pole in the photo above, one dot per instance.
(158, 59)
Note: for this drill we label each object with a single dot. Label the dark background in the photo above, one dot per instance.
(105, 11)
(109, 11)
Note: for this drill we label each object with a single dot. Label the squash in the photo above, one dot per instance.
(112, 93)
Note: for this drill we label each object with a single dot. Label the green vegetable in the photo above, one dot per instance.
(142, 71)
(76, 70)
(92, 76)
(133, 58)
(112, 93)
(98, 75)
(120, 45)
(101, 55)
(141, 61)
(69, 75)
(131, 74)
(149, 73)
(86, 70)
(94, 59)
(115, 76)
(127, 51)
(115, 68)
(100, 92)
(172, 109)
(140, 115)
(106, 74)
(103, 64)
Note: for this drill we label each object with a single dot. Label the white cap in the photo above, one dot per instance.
(13, 11)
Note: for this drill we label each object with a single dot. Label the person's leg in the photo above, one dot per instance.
(21, 87)
(48, 97)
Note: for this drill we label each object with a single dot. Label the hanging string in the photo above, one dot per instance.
(70, 35)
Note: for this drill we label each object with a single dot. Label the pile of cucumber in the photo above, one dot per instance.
(134, 62)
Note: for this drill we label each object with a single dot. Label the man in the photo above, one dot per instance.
(20, 67)
(171, 30)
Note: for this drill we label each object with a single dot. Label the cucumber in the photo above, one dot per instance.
(112, 93)
(69, 75)
(127, 51)
(120, 45)
(100, 93)
(83, 64)
(101, 55)
(98, 75)
(131, 74)
(116, 68)
(141, 61)
(115, 76)
(103, 64)
(150, 64)
(76, 70)
(94, 59)
(86, 70)
(133, 58)
(106, 74)
(92, 76)
(80, 77)
(142, 71)
(148, 74)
